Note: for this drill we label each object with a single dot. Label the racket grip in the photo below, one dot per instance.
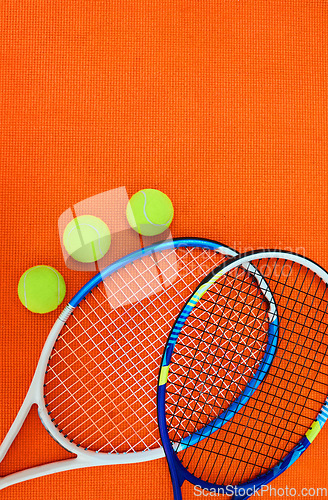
(177, 492)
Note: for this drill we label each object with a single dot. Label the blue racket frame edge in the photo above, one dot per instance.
(156, 247)
(178, 473)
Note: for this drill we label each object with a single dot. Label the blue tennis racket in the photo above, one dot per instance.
(225, 425)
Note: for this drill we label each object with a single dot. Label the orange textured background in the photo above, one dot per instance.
(221, 104)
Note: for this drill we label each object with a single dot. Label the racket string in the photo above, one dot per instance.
(274, 415)
(100, 386)
(261, 424)
(98, 400)
(247, 332)
(224, 330)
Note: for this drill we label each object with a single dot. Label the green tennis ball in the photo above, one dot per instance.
(149, 212)
(87, 238)
(41, 289)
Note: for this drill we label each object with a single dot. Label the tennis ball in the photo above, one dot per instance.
(87, 238)
(41, 289)
(149, 212)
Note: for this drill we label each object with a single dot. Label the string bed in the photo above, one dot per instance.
(214, 358)
(100, 384)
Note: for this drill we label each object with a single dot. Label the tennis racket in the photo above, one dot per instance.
(95, 383)
(213, 437)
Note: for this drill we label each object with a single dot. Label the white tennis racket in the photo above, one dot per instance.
(95, 383)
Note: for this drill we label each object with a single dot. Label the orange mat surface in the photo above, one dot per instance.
(221, 104)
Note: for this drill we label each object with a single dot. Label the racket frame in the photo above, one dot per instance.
(84, 457)
(178, 472)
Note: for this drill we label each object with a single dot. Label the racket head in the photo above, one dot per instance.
(124, 301)
(285, 413)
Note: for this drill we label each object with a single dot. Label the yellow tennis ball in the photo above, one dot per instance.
(87, 238)
(149, 212)
(41, 289)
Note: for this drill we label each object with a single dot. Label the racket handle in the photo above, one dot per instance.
(44, 470)
(177, 491)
